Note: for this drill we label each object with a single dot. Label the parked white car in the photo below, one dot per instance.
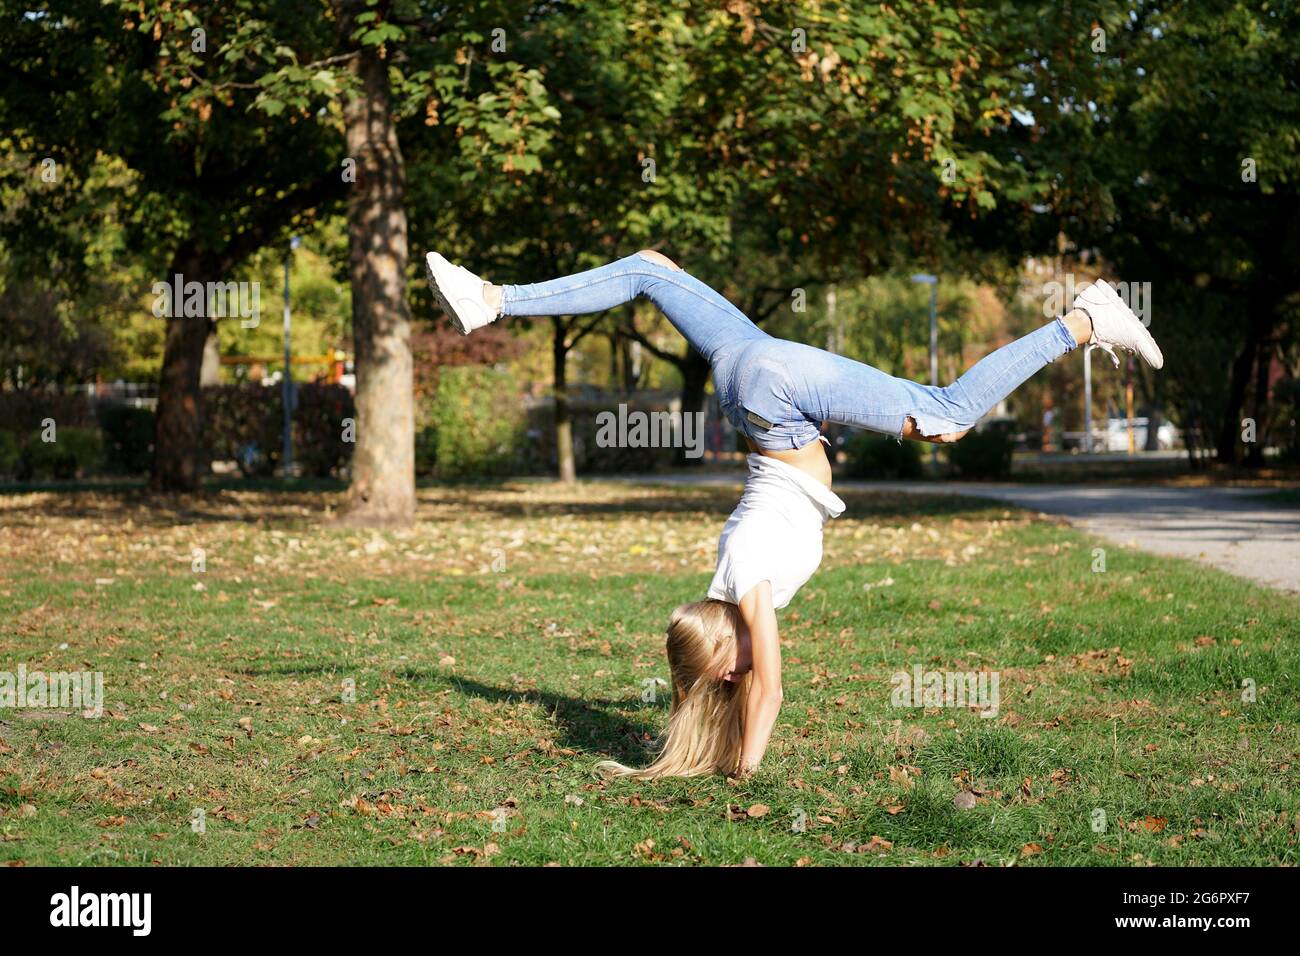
(1117, 434)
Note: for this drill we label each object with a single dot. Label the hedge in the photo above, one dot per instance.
(244, 423)
(879, 456)
(75, 452)
(982, 454)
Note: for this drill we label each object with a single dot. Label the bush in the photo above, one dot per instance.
(128, 435)
(477, 421)
(982, 454)
(74, 452)
(83, 450)
(879, 456)
(77, 449)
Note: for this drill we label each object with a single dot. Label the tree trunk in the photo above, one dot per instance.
(695, 376)
(563, 416)
(1154, 420)
(1263, 363)
(383, 465)
(1230, 426)
(178, 463)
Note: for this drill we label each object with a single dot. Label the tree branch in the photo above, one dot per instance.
(583, 334)
(631, 332)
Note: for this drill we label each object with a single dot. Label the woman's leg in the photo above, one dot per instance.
(704, 318)
(832, 388)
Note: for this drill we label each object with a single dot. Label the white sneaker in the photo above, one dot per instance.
(1115, 326)
(459, 293)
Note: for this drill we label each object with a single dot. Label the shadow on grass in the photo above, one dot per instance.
(586, 723)
(592, 724)
(291, 501)
(145, 509)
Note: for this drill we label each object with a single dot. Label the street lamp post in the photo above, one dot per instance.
(933, 282)
(286, 383)
(1087, 399)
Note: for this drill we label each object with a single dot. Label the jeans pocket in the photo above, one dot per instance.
(764, 398)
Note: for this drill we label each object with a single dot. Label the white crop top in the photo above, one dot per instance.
(775, 533)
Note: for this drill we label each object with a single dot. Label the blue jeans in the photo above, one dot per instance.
(776, 392)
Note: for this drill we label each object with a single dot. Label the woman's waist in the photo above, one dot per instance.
(784, 509)
(809, 459)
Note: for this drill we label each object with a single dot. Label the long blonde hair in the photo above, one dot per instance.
(707, 716)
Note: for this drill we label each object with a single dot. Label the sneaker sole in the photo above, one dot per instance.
(1110, 296)
(433, 268)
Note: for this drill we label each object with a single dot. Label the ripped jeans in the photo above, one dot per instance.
(776, 392)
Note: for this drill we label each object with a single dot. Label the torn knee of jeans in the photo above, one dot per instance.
(929, 426)
(658, 258)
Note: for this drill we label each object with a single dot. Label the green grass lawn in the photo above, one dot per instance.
(500, 647)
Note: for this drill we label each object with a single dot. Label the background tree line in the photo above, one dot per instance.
(769, 148)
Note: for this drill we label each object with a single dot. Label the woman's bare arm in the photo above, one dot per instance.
(765, 681)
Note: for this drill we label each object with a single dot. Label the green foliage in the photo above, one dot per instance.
(321, 302)
(879, 456)
(1180, 139)
(478, 421)
(75, 452)
(985, 453)
(895, 133)
(83, 450)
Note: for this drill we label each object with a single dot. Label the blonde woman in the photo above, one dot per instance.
(724, 653)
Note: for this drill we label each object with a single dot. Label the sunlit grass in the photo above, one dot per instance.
(502, 645)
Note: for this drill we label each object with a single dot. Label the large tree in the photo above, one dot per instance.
(767, 150)
(1170, 132)
(241, 120)
(153, 85)
(374, 68)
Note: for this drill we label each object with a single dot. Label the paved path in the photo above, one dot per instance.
(1230, 528)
